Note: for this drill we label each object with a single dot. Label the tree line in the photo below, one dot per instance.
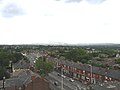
(5, 58)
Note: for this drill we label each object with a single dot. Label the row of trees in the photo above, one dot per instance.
(76, 54)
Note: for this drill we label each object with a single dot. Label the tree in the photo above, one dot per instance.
(118, 61)
(78, 54)
(43, 66)
(3, 73)
(5, 58)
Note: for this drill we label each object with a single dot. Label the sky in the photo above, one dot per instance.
(59, 21)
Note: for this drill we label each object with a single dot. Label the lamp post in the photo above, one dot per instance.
(90, 73)
(10, 65)
(19, 88)
(4, 83)
(62, 78)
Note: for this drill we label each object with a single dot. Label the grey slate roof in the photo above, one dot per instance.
(97, 70)
(21, 64)
(24, 77)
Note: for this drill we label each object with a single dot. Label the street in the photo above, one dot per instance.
(67, 85)
(53, 77)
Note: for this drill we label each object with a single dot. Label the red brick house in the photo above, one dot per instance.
(38, 84)
(85, 72)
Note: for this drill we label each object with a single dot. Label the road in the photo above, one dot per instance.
(54, 77)
(67, 84)
(57, 87)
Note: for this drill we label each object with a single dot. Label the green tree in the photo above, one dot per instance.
(78, 54)
(5, 58)
(43, 66)
(3, 73)
(118, 61)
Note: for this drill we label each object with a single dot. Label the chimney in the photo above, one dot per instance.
(42, 77)
(106, 70)
(100, 68)
(33, 78)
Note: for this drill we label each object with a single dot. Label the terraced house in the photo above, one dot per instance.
(86, 73)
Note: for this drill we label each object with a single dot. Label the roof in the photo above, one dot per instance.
(38, 84)
(23, 77)
(86, 67)
(22, 64)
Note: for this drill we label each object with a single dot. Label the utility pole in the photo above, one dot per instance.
(90, 74)
(62, 78)
(3, 83)
(10, 65)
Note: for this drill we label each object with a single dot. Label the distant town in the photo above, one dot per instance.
(60, 67)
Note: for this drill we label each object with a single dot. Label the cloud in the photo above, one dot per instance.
(95, 1)
(70, 23)
(89, 1)
(11, 10)
(71, 1)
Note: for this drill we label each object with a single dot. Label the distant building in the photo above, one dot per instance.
(117, 55)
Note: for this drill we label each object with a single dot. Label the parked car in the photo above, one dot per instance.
(58, 74)
(56, 83)
(72, 80)
(63, 76)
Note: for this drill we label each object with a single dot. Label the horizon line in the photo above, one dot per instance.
(64, 44)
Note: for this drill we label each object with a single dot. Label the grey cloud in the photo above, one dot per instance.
(95, 1)
(71, 1)
(11, 10)
(89, 1)
(0, 1)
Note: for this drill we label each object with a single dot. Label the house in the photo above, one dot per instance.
(18, 80)
(88, 73)
(84, 72)
(25, 80)
(38, 84)
(22, 64)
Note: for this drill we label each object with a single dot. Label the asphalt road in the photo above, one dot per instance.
(57, 87)
(67, 84)
(54, 77)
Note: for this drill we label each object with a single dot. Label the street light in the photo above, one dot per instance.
(10, 65)
(62, 78)
(19, 88)
(4, 83)
(90, 73)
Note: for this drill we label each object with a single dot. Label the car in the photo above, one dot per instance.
(63, 76)
(58, 74)
(56, 83)
(71, 80)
